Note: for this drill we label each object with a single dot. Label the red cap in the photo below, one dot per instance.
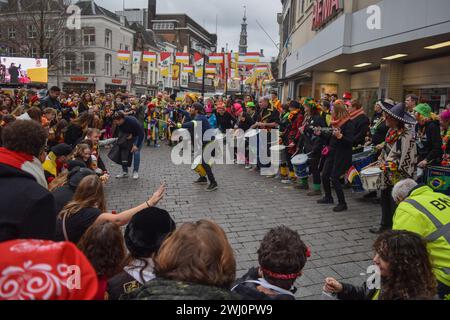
(347, 96)
(45, 270)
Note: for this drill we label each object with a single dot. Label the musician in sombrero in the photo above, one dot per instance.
(398, 159)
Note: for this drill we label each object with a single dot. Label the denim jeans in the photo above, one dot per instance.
(136, 156)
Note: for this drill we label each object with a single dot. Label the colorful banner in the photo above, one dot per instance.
(188, 69)
(261, 69)
(216, 58)
(165, 71)
(124, 55)
(150, 56)
(198, 62)
(210, 69)
(182, 58)
(164, 56)
(137, 55)
(251, 57)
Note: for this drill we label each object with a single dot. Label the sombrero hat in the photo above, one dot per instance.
(398, 112)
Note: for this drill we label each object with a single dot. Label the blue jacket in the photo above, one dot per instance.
(213, 121)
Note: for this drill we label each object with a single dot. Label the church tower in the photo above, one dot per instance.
(243, 42)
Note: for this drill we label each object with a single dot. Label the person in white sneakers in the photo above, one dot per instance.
(135, 130)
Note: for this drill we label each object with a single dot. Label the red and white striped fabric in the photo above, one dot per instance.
(182, 58)
(124, 55)
(149, 56)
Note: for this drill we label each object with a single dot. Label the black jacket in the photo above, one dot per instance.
(225, 122)
(362, 124)
(351, 292)
(249, 291)
(342, 150)
(49, 102)
(27, 210)
(311, 143)
(121, 151)
(73, 135)
(430, 146)
(63, 196)
(378, 133)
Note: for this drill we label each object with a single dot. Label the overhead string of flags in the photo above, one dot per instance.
(231, 66)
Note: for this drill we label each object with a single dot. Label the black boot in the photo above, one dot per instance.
(341, 207)
(201, 180)
(326, 201)
(212, 187)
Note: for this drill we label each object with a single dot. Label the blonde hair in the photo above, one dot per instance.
(340, 110)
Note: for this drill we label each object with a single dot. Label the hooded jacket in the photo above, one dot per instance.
(28, 209)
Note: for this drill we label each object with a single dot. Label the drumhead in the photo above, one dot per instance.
(371, 171)
(278, 148)
(251, 133)
(299, 159)
(197, 162)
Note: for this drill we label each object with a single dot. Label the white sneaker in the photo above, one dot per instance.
(122, 176)
(135, 176)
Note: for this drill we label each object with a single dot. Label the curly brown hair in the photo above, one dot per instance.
(197, 253)
(410, 271)
(104, 246)
(282, 251)
(24, 136)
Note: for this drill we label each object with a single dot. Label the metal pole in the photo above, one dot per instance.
(203, 76)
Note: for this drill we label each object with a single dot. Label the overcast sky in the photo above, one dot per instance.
(230, 13)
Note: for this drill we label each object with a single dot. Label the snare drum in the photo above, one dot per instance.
(371, 179)
(438, 178)
(197, 166)
(281, 151)
(300, 164)
(361, 161)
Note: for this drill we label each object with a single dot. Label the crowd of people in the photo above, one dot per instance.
(52, 179)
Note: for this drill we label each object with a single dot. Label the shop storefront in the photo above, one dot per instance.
(79, 84)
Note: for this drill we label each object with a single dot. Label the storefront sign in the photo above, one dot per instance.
(116, 81)
(324, 11)
(79, 79)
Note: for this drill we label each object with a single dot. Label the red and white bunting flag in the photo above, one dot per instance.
(188, 69)
(250, 57)
(182, 58)
(210, 69)
(164, 56)
(216, 58)
(149, 56)
(261, 69)
(124, 55)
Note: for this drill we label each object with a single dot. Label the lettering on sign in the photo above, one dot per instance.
(79, 79)
(117, 81)
(324, 11)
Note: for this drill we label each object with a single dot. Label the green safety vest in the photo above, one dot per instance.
(428, 214)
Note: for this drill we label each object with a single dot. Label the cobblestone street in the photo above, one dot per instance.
(248, 205)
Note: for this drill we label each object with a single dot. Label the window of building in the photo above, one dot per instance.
(34, 52)
(163, 26)
(70, 64)
(12, 52)
(151, 78)
(89, 37)
(31, 31)
(108, 39)
(49, 31)
(108, 65)
(89, 63)
(11, 33)
(69, 37)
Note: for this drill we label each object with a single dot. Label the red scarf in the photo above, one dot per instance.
(14, 159)
(339, 123)
(355, 114)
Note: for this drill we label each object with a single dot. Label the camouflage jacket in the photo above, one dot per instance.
(160, 289)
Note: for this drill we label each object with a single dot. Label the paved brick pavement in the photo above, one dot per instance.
(248, 205)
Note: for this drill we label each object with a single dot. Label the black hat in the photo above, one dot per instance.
(147, 231)
(173, 97)
(62, 150)
(77, 175)
(399, 112)
(295, 105)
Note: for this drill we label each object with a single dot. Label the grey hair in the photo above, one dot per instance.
(402, 190)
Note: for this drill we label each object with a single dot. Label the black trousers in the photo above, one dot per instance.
(330, 174)
(314, 170)
(388, 207)
(208, 169)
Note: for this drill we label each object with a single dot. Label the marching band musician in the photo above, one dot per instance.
(338, 157)
(398, 159)
(429, 141)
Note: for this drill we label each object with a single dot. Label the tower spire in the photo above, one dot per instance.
(243, 38)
